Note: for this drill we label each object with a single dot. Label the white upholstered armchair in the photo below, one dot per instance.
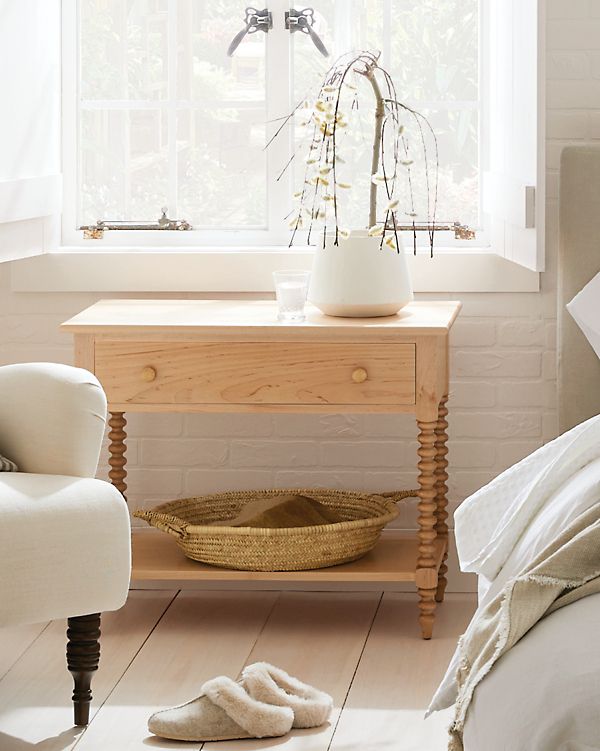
(64, 536)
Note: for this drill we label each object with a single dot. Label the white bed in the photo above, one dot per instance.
(544, 694)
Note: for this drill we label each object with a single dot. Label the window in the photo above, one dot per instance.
(154, 113)
(165, 118)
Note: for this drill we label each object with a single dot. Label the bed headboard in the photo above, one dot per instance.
(578, 262)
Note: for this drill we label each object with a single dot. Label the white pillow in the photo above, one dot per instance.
(585, 309)
(6, 465)
(572, 499)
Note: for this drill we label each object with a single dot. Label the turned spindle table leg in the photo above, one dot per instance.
(426, 576)
(116, 450)
(441, 485)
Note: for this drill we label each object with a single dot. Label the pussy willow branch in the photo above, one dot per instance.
(379, 115)
(324, 145)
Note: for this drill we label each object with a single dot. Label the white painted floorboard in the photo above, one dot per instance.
(201, 635)
(35, 694)
(396, 678)
(363, 648)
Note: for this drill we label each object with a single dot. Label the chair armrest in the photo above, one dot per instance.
(52, 418)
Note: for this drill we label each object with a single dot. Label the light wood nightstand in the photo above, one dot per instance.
(233, 356)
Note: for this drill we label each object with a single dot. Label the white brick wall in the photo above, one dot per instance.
(503, 392)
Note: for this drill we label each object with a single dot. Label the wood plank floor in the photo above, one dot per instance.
(363, 648)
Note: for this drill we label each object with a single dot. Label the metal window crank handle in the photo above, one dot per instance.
(303, 20)
(255, 20)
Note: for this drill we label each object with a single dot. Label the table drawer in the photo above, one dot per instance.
(256, 373)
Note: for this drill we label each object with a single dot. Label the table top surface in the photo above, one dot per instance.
(121, 316)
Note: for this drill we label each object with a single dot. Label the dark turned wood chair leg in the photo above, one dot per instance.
(83, 655)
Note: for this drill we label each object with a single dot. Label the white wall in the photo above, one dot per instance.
(503, 393)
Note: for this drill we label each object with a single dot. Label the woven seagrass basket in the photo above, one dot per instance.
(190, 521)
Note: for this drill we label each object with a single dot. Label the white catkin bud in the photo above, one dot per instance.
(344, 233)
(345, 186)
(393, 205)
(376, 230)
(379, 177)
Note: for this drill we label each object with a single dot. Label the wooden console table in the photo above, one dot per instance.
(233, 356)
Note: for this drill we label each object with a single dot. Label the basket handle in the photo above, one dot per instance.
(399, 495)
(165, 522)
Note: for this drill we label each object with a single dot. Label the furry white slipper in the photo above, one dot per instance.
(274, 686)
(223, 711)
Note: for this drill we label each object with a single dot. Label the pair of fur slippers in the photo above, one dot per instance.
(265, 703)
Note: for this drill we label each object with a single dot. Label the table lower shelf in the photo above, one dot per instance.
(157, 557)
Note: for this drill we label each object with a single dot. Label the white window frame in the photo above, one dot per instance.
(57, 268)
(278, 46)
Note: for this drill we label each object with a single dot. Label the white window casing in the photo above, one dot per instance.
(513, 177)
(30, 167)
(514, 183)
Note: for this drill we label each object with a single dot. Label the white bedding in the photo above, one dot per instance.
(543, 695)
(540, 497)
(572, 498)
(489, 524)
(585, 309)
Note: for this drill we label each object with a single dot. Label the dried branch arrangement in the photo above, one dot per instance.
(327, 120)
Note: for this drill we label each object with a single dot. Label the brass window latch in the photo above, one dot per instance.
(96, 231)
(461, 231)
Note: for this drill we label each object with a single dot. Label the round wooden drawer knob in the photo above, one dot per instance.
(360, 375)
(148, 374)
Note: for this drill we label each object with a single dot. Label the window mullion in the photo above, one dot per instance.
(70, 116)
(172, 109)
(278, 105)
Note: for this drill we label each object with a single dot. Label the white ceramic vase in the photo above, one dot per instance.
(357, 279)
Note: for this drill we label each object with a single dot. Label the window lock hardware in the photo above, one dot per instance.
(461, 231)
(303, 20)
(96, 231)
(255, 20)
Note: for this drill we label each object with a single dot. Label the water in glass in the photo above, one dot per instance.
(291, 289)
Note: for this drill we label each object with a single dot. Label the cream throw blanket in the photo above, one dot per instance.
(564, 572)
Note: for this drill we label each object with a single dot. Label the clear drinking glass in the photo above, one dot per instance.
(291, 289)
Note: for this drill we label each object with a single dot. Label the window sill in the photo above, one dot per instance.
(241, 270)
